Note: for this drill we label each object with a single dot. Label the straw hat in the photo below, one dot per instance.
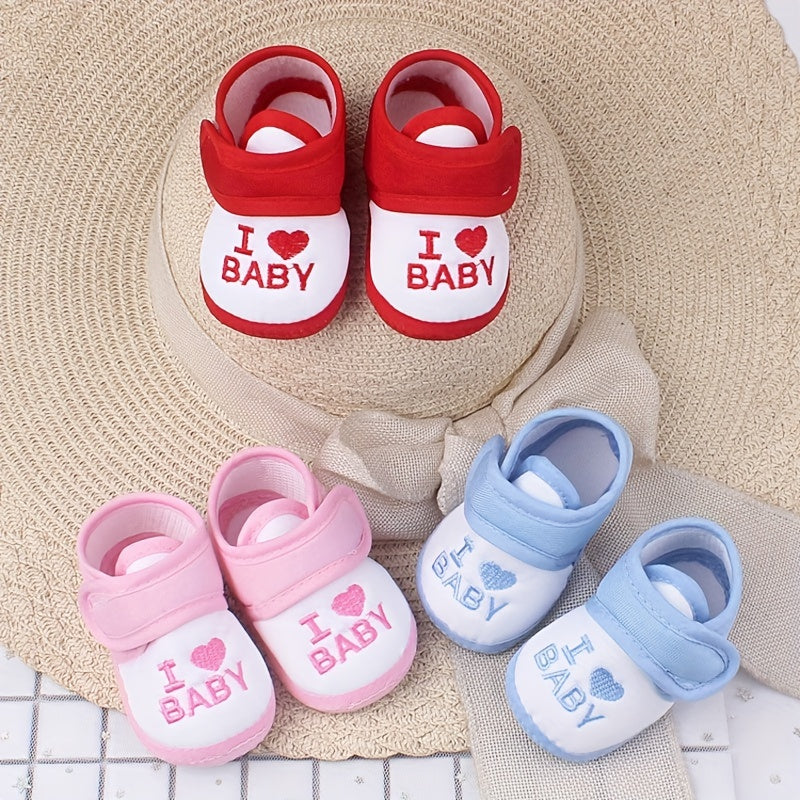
(676, 128)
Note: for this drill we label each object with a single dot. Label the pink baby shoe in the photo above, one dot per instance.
(274, 257)
(440, 170)
(335, 627)
(195, 688)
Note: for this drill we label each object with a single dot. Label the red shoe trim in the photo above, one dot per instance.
(303, 182)
(424, 83)
(409, 176)
(446, 115)
(419, 329)
(278, 330)
(272, 91)
(272, 118)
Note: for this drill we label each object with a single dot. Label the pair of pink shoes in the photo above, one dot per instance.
(332, 623)
(440, 170)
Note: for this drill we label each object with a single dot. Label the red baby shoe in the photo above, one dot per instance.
(274, 257)
(440, 171)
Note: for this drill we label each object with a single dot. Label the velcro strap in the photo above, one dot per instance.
(409, 176)
(127, 611)
(505, 516)
(271, 576)
(306, 181)
(685, 659)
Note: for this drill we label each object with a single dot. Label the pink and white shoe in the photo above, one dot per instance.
(274, 257)
(195, 688)
(440, 171)
(335, 627)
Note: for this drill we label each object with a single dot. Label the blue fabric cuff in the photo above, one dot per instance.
(685, 659)
(536, 533)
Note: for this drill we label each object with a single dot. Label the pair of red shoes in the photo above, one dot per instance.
(440, 171)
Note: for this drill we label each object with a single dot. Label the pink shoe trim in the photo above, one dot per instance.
(142, 549)
(124, 612)
(359, 698)
(265, 514)
(269, 577)
(212, 755)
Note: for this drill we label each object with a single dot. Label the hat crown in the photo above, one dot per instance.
(358, 362)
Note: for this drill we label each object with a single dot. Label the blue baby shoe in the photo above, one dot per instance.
(655, 632)
(496, 564)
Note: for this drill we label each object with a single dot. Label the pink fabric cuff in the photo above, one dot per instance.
(271, 576)
(124, 612)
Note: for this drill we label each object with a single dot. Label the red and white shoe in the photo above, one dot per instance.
(440, 172)
(276, 248)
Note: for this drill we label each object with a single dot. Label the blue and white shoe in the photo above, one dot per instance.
(655, 632)
(495, 565)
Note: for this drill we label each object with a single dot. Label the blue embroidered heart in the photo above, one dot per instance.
(494, 577)
(603, 686)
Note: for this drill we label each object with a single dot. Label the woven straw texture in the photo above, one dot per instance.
(687, 187)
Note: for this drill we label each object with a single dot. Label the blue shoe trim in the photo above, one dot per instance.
(537, 533)
(688, 588)
(535, 732)
(700, 556)
(545, 469)
(468, 644)
(577, 418)
(685, 659)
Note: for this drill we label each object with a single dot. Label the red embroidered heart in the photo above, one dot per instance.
(349, 603)
(471, 240)
(286, 244)
(209, 656)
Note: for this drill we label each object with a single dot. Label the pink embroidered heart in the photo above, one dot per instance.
(349, 603)
(209, 656)
(286, 244)
(471, 240)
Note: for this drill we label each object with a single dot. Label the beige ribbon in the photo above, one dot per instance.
(409, 472)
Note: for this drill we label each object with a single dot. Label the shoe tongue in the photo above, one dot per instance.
(543, 480)
(272, 520)
(679, 590)
(273, 131)
(447, 126)
(143, 553)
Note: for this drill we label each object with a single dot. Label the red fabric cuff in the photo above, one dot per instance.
(409, 176)
(307, 181)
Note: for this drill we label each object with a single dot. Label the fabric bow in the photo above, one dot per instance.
(409, 472)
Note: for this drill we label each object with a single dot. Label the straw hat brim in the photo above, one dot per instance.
(685, 178)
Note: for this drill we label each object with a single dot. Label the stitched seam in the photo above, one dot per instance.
(330, 567)
(106, 596)
(572, 554)
(531, 514)
(277, 549)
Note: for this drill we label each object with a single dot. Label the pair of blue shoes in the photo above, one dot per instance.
(655, 631)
